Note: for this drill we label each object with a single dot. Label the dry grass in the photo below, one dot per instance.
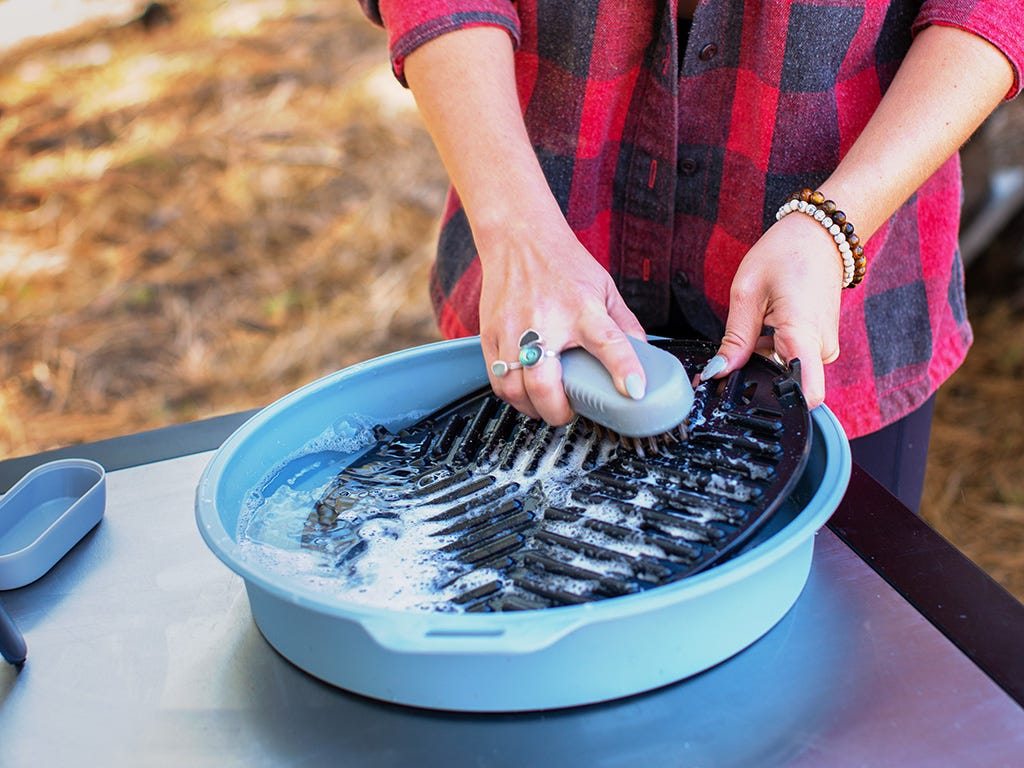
(975, 484)
(199, 218)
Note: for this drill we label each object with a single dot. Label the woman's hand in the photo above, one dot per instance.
(791, 281)
(540, 277)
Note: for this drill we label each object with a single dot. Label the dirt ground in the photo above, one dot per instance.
(205, 208)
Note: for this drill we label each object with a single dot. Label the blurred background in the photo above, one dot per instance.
(205, 205)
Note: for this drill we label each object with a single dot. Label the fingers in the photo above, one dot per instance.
(606, 338)
(786, 343)
(543, 387)
(537, 390)
(812, 365)
(533, 387)
(509, 386)
(742, 330)
(622, 316)
(805, 349)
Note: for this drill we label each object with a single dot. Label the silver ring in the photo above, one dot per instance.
(499, 367)
(531, 349)
(778, 359)
(531, 353)
(530, 337)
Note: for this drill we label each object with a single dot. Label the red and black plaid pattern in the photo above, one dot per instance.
(670, 162)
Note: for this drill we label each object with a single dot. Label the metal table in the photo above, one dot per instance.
(142, 652)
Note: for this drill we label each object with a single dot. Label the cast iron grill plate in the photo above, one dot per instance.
(624, 521)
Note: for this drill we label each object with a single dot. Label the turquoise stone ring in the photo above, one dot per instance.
(530, 355)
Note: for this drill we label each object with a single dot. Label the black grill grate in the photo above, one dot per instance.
(618, 521)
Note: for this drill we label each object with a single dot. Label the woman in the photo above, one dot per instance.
(625, 168)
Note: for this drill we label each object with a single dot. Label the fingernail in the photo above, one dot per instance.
(635, 386)
(714, 367)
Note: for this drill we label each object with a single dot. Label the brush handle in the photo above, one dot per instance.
(592, 393)
(12, 642)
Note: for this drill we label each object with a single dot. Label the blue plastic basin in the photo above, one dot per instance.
(515, 661)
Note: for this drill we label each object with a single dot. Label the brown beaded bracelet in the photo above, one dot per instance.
(826, 213)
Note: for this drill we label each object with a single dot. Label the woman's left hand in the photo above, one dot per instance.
(791, 280)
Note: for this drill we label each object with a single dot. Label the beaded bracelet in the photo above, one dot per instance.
(834, 221)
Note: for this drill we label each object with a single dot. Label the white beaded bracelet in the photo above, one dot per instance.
(841, 232)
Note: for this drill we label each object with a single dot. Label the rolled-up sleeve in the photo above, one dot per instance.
(1000, 22)
(411, 23)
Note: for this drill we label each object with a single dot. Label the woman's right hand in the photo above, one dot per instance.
(540, 277)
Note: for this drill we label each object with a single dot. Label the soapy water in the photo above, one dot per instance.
(379, 544)
(390, 561)
(393, 559)
(383, 549)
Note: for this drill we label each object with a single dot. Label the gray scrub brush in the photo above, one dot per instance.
(661, 414)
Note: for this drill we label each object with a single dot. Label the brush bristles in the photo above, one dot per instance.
(642, 445)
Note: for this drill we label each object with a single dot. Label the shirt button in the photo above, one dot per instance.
(687, 166)
(708, 52)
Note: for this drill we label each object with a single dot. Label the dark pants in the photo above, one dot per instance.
(897, 455)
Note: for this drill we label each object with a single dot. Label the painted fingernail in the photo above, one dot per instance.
(714, 367)
(635, 386)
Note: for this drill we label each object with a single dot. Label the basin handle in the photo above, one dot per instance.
(506, 633)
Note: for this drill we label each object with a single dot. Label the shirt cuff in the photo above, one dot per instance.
(995, 22)
(411, 23)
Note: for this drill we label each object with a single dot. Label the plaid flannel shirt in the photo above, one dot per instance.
(670, 164)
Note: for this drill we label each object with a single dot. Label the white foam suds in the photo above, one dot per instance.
(376, 543)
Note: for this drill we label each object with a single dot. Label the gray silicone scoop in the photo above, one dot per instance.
(45, 514)
(592, 394)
